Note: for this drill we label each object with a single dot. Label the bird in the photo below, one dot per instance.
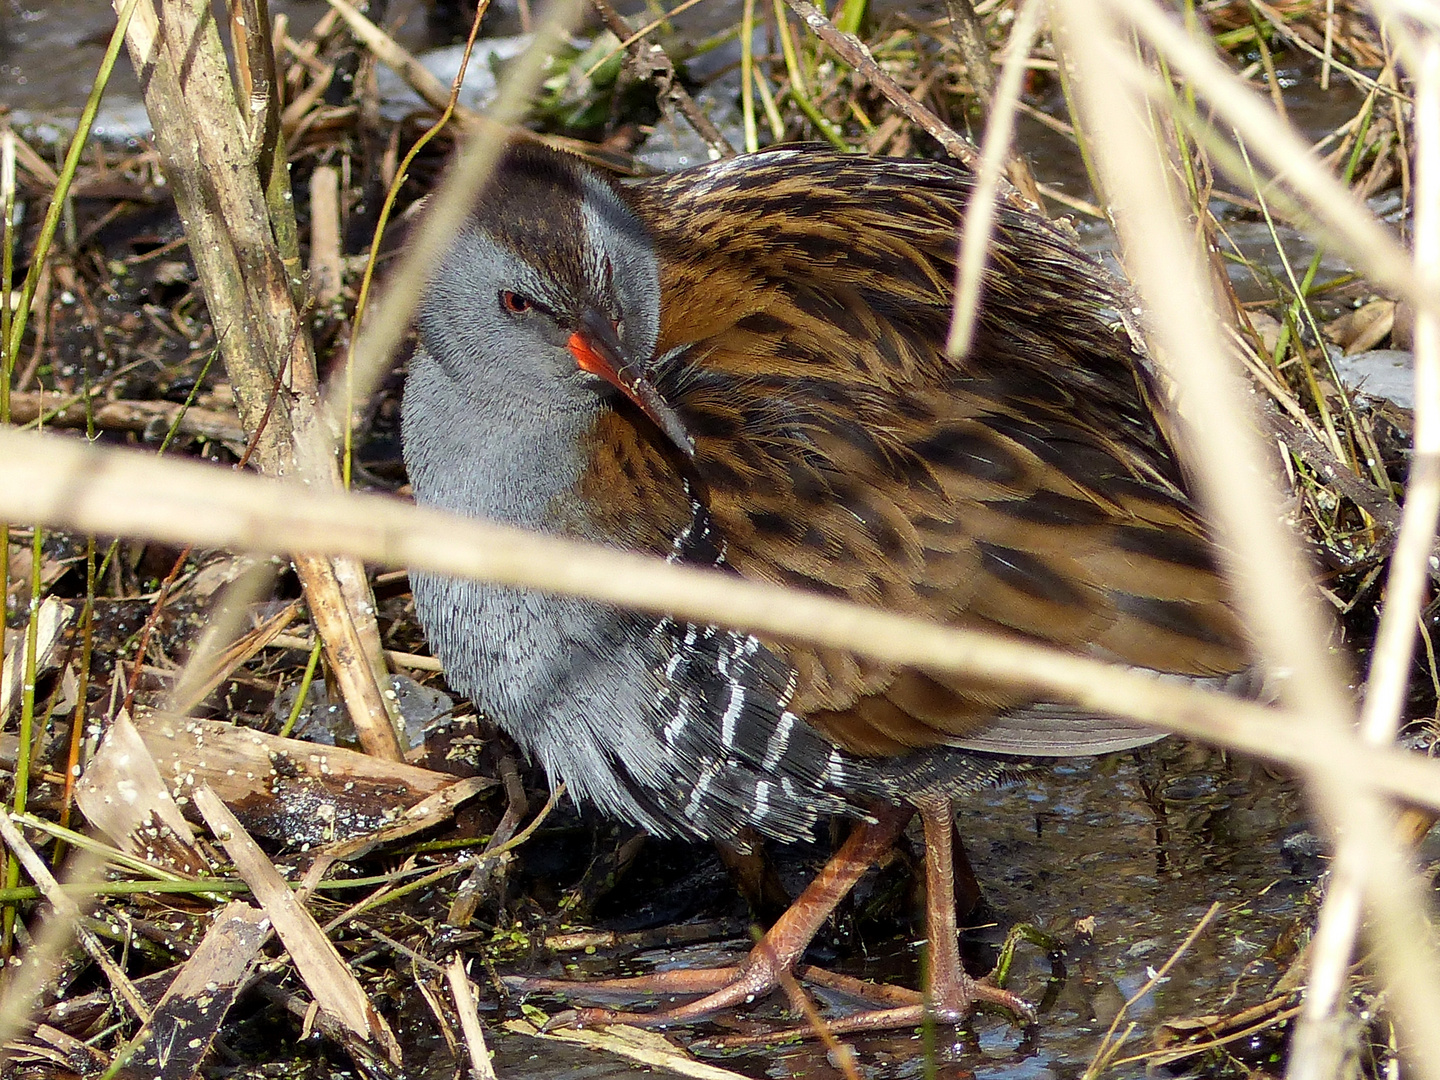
(741, 365)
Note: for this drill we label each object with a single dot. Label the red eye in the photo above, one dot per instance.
(515, 303)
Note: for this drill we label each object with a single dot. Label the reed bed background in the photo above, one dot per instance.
(1288, 468)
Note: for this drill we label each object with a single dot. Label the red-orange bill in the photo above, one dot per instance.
(595, 357)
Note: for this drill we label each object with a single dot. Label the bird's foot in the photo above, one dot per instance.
(728, 987)
(719, 988)
(678, 981)
(899, 1009)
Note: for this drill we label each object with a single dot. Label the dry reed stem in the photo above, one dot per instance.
(202, 680)
(410, 661)
(1315, 1053)
(969, 36)
(342, 610)
(437, 95)
(58, 482)
(649, 1048)
(200, 138)
(327, 268)
(29, 160)
(1275, 600)
(416, 75)
(855, 53)
(651, 58)
(75, 411)
(994, 151)
(26, 982)
(68, 914)
(463, 995)
(226, 625)
(213, 163)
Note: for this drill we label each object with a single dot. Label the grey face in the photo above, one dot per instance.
(493, 322)
(528, 274)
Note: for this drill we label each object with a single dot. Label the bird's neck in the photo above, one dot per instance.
(507, 459)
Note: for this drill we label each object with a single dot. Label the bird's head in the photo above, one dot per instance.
(550, 294)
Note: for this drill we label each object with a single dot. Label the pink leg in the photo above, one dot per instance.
(949, 991)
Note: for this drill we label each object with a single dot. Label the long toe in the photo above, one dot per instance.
(746, 985)
(677, 981)
(896, 1018)
(989, 994)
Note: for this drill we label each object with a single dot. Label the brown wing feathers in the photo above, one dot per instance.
(1025, 488)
